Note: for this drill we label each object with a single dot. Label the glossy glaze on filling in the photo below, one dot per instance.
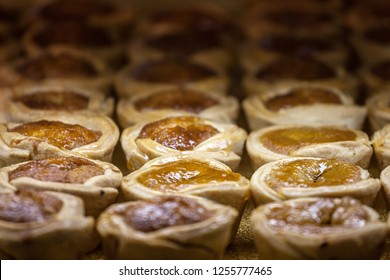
(176, 99)
(174, 71)
(179, 133)
(54, 100)
(59, 134)
(296, 68)
(312, 173)
(28, 206)
(55, 66)
(382, 70)
(70, 170)
(163, 212)
(324, 215)
(302, 97)
(178, 175)
(285, 141)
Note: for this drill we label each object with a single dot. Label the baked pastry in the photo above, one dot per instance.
(303, 177)
(58, 135)
(381, 145)
(168, 227)
(176, 101)
(378, 110)
(183, 135)
(94, 181)
(385, 180)
(44, 225)
(304, 104)
(376, 77)
(290, 70)
(167, 72)
(36, 101)
(188, 175)
(286, 141)
(4, 96)
(318, 228)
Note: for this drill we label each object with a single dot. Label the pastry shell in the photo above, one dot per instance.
(357, 151)
(226, 146)
(381, 145)
(385, 179)
(98, 102)
(67, 235)
(345, 114)
(226, 111)
(206, 239)
(365, 190)
(97, 192)
(17, 148)
(378, 110)
(350, 243)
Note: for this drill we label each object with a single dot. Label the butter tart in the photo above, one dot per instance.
(36, 101)
(318, 228)
(164, 73)
(167, 227)
(84, 135)
(304, 104)
(286, 141)
(94, 181)
(44, 225)
(303, 177)
(378, 106)
(176, 101)
(380, 142)
(183, 135)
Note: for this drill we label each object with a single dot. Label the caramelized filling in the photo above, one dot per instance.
(311, 173)
(176, 99)
(171, 71)
(184, 43)
(55, 66)
(378, 34)
(285, 141)
(179, 133)
(175, 176)
(54, 100)
(296, 18)
(59, 134)
(295, 68)
(28, 206)
(382, 70)
(320, 216)
(163, 212)
(301, 97)
(74, 34)
(63, 170)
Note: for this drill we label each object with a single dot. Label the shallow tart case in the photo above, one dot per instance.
(318, 228)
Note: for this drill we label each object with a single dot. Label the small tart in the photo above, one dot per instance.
(167, 227)
(376, 77)
(44, 225)
(94, 181)
(31, 102)
(183, 135)
(385, 180)
(286, 141)
(287, 71)
(380, 142)
(177, 101)
(303, 104)
(164, 73)
(303, 177)
(378, 106)
(58, 135)
(318, 228)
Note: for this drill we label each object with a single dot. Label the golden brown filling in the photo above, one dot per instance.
(311, 173)
(73, 33)
(178, 175)
(63, 170)
(301, 97)
(291, 18)
(176, 99)
(295, 68)
(172, 71)
(285, 141)
(59, 134)
(163, 212)
(320, 216)
(179, 133)
(382, 70)
(378, 34)
(55, 66)
(28, 206)
(54, 100)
